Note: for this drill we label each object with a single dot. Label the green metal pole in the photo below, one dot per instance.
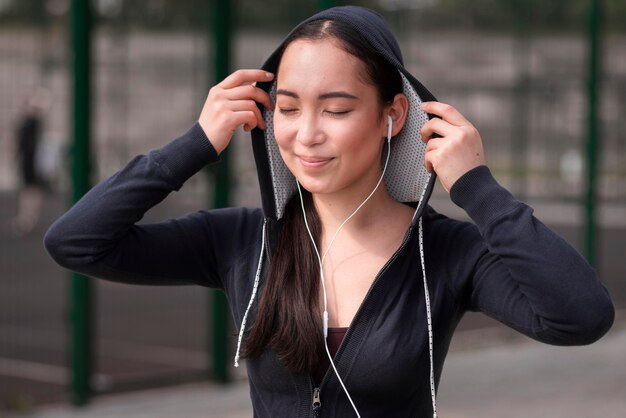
(593, 145)
(80, 286)
(222, 27)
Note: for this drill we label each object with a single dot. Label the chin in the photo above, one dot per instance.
(313, 186)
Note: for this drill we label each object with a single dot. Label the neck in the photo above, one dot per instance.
(334, 209)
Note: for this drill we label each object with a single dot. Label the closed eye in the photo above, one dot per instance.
(337, 112)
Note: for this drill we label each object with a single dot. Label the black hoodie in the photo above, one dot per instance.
(507, 264)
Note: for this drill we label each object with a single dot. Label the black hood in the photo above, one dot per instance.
(406, 179)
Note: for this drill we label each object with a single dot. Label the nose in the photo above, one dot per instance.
(309, 130)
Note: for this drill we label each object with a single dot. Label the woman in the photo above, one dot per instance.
(344, 267)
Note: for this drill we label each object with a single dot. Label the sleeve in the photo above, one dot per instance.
(99, 236)
(523, 274)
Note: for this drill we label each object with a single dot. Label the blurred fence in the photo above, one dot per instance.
(533, 119)
(526, 94)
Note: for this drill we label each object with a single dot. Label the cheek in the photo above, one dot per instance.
(354, 137)
(281, 129)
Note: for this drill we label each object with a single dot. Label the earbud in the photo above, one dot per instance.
(389, 127)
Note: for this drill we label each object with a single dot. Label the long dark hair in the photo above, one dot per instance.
(289, 315)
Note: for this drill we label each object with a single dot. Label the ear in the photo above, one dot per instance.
(398, 110)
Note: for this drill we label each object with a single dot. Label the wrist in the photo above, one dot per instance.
(213, 138)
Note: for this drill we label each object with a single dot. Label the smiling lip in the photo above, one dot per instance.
(313, 162)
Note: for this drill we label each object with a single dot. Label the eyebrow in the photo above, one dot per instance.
(323, 96)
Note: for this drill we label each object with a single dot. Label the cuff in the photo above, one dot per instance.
(480, 195)
(186, 155)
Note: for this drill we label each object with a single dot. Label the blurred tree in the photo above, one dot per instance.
(548, 15)
(615, 15)
(280, 15)
(277, 15)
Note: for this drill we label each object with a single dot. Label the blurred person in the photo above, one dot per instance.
(346, 286)
(28, 138)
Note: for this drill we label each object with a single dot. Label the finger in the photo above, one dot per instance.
(438, 127)
(264, 98)
(247, 118)
(248, 106)
(249, 91)
(240, 77)
(428, 164)
(446, 112)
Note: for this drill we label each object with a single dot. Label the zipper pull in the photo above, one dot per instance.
(317, 402)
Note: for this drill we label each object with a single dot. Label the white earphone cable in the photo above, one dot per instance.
(321, 259)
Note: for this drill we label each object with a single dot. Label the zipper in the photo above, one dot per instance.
(383, 270)
(317, 403)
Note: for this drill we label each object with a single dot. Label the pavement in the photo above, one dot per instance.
(488, 373)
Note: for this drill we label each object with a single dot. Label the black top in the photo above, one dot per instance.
(508, 265)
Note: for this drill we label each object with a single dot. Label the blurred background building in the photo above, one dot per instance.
(518, 69)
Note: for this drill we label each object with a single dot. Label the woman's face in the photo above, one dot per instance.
(328, 122)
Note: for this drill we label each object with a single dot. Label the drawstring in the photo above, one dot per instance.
(426, 297)
(428, 321)
(254, 290)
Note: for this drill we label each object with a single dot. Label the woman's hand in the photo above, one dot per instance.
(457, 150)
(232, 103)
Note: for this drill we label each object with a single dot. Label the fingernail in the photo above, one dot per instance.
(269, 75)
